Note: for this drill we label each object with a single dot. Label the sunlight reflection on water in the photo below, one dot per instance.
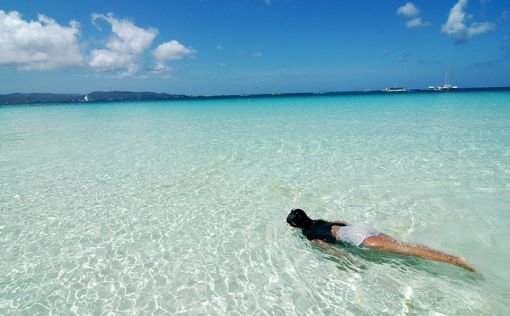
(180, 206)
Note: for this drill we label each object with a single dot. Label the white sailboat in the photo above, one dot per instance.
(447, 85)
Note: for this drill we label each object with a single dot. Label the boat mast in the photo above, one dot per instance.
(449, 73)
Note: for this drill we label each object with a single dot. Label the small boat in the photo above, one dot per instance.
(395, 89)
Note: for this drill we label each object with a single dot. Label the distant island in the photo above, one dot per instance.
(113, 96)
(97, 96)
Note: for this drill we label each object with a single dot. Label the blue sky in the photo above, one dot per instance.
(214, 47)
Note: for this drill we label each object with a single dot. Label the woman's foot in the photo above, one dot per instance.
(462, 262)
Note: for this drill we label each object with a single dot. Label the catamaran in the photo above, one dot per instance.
(446, 86)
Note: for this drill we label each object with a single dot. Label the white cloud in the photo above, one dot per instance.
(219, 47)
(408, 9)
(172, 50)
(456, 28)
(222, 65)
(123, 48)
(416, 22)
(480, 28)
(403, 58)
(40, 44)
(256, 54)
(455, 23)
(412, 13)
(160, 68)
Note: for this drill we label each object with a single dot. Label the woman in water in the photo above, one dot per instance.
(322, 232)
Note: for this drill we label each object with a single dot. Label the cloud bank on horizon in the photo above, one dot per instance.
(131, 50)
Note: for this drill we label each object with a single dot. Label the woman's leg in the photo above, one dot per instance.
(386, 243)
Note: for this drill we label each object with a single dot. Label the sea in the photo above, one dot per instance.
(179, 207)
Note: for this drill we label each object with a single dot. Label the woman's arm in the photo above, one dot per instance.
(338, 253)
(324, 245)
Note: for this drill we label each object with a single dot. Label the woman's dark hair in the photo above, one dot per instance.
(298, 218)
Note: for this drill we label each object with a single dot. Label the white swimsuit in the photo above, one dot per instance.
(356, 234)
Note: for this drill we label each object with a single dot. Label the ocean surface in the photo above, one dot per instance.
(179, 207)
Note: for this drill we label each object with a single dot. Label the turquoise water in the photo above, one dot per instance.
(179, 207)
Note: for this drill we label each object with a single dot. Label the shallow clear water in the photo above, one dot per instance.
(180, 207)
